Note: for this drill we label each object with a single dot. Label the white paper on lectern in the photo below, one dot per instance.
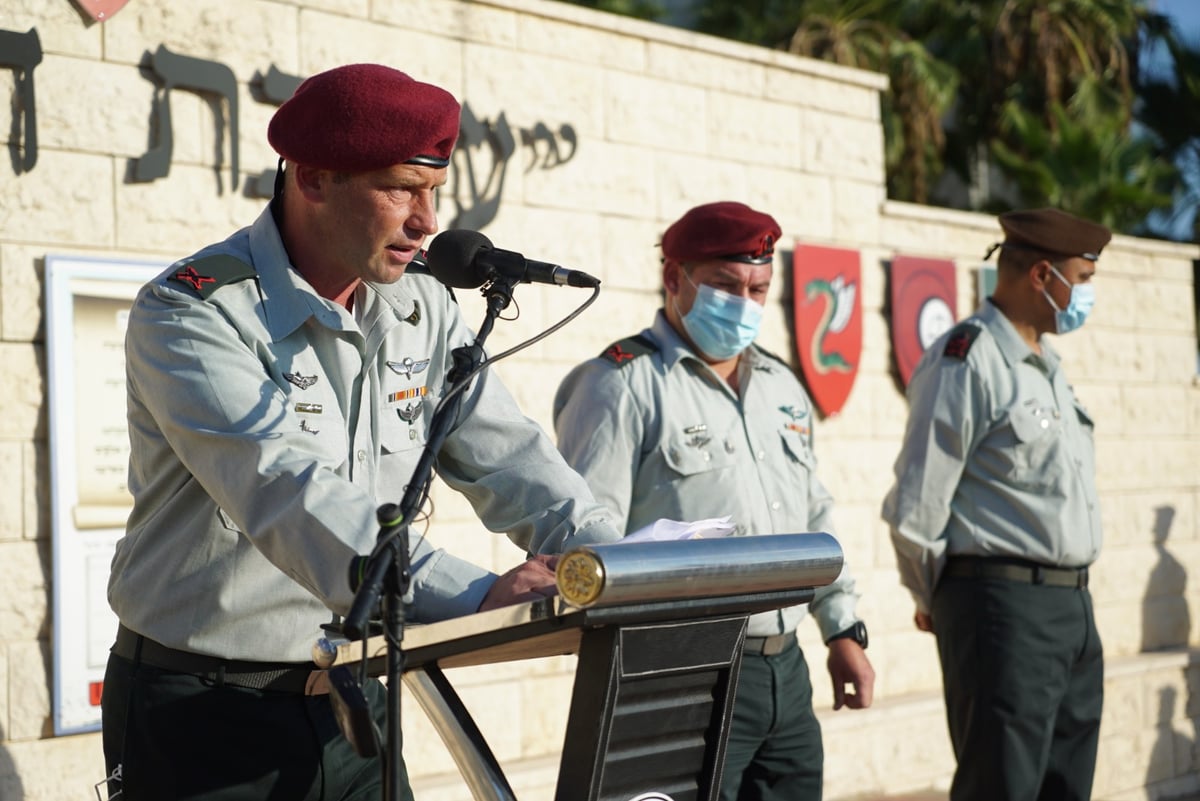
(663, 530)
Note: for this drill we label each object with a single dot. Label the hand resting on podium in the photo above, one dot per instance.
(528, 581)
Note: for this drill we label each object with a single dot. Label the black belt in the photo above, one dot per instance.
(288, 677)
(769, 646)
(1015, 570)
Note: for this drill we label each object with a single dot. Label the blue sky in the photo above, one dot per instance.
(1186, 14)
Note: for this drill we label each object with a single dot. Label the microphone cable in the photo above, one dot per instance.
(380, 545)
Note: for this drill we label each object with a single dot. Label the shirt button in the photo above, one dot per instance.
(761, 455)
(362, 456)
(775, 505)
(707, 456)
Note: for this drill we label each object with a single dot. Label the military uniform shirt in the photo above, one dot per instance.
(998, 458)
(267, 424)
(662, 436)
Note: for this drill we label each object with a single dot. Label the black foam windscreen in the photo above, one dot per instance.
(452, 258)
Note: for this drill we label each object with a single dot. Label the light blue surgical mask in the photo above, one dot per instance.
(720, 324)
(1083, 298)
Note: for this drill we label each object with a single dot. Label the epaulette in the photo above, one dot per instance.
(961, 338)
(626, 350)
(206, 275)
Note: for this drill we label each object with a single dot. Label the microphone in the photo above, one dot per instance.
(466, 259)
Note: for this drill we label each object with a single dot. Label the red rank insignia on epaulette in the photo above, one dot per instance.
(960, 341)
(615, 353)
(194, 278)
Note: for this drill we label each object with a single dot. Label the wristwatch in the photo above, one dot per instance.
(857, 632)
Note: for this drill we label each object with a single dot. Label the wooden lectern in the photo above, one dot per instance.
(658, 628)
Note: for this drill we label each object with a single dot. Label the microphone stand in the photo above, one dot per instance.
(386, 574)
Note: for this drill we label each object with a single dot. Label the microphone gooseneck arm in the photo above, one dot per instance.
(385, 575)
(380, 580)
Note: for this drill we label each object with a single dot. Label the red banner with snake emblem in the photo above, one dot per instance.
(828, 321)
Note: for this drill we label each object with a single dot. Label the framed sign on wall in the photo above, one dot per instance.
(87, 306)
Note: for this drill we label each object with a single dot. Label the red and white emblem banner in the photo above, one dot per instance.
(828, 321)
(923, 301)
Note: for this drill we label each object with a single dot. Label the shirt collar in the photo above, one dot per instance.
(1012, 347)
(289, 300)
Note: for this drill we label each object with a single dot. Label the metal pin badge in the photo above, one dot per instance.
(302, 381)
(415, 317)
(408, 366)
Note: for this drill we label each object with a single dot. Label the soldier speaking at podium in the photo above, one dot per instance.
(280, 384)
(690, 420)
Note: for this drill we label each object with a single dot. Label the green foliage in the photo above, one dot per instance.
(1169, 109)
(1095, 169)
(641, 9)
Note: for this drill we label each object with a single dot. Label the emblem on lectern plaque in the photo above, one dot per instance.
(580, 578)
(652, 796)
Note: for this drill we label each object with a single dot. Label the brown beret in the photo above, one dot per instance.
(1054, 232)
(365, 117)
(727, 231)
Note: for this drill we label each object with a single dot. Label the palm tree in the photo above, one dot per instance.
(1098, 172)
(1168, 109)
(860, 33)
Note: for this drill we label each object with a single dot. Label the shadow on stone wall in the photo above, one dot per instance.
(1166, 619)
(11, 788)
(1173, 754)
(1166, 623)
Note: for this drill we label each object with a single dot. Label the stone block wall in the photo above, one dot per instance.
(615, 127)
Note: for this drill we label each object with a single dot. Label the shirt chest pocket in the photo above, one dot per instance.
(1037, 432)
(795, 448)
(402, 435)
(319, 423)
(698, 454)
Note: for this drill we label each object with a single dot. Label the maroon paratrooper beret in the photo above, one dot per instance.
(726, 230)
(362, 117)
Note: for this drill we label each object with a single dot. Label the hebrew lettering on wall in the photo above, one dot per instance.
(481, 160)
(477, 191)
(22, 52)
(553, 157)
(274, 88)
(209, 78)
